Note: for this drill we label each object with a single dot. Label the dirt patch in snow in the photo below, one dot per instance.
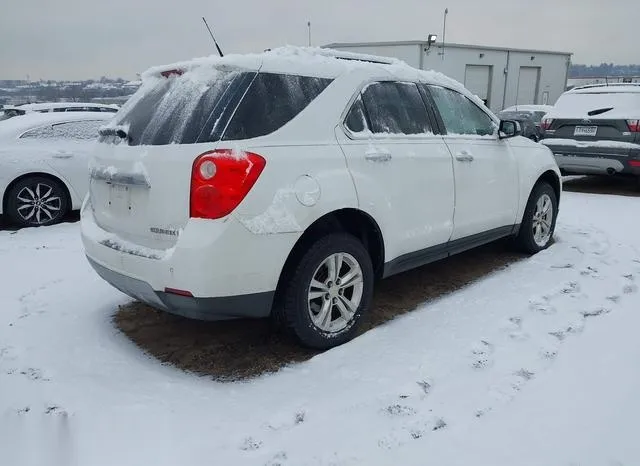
(240, 349)
(621, 186)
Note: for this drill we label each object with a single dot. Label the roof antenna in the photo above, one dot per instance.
(214, 39)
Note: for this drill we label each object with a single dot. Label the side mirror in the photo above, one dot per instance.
(509, 129)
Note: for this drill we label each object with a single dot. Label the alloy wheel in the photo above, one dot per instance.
(542, 220)
(38, 204)
(335, 292)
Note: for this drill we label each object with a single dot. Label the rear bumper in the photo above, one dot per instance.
(595, 160)
(221, 308)
(229, 271)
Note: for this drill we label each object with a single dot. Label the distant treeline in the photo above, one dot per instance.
(604, 69)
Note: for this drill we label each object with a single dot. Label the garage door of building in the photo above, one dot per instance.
(477, 78)
(528, 81)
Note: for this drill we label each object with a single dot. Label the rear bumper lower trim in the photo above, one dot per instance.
(253, 305)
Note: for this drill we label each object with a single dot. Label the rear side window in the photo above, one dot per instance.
(460, 115)
(395, 108)
(271, 102)
(75, 130)
(177, 110)
(356, 120)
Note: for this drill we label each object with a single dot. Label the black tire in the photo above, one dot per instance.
(526, 240)
(49, 203)
(294, 311)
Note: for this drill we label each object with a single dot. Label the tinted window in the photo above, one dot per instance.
(395, 108)
(78, 130)
(271, 102)
(356, 121)
(459, 114)
(175, 109)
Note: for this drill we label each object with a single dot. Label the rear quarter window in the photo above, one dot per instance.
(271, 102)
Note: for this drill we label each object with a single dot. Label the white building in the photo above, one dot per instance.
(500, 76)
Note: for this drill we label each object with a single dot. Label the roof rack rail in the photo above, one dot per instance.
(588, 86)
(340, 55)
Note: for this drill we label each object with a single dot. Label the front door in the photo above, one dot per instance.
(485, 170)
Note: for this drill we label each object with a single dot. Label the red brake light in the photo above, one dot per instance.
(634, 126)
(545, 124)
(220, 180)
(167, 73)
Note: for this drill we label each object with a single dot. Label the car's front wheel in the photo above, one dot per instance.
(328, 292)
(37, 201)
(539, 221)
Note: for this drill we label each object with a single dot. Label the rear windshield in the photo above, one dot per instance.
(607, 105)
(186, 109)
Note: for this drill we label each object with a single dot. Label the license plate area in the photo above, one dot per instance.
(119, 198)
(585, 131)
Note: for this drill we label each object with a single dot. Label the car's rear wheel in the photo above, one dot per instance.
(328, 292)
(37, 201)
(539, 221)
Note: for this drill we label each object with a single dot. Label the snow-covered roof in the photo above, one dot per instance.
(606, 88)
(22, 123)
(306, 61)
(529, 108)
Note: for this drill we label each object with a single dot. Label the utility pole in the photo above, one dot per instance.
(444, 29)
(309, 27)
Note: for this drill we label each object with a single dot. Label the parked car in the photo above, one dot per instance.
(286, 183)
(596, 130)
(530, 129)
(537, 111)
(44, 164)
(9, 111)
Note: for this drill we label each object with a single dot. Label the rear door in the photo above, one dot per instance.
(485, 170)
(402, 170)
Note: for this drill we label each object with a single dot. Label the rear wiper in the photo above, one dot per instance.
(119, 131)
(599, 111)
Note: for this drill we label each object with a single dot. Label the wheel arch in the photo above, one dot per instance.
(552, 179)
(349, 220)
(67, 189)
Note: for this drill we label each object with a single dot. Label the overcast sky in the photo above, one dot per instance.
(58, 39)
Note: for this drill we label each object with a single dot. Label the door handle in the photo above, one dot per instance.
(62, 155)
(378, 156)
(464, 156)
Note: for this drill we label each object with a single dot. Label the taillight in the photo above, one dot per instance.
(545, 124)
(169, 73)
(220, 180)
(634, 126)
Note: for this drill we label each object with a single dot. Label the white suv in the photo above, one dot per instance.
(285, 183)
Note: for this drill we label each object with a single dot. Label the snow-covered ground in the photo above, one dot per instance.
(536, 364)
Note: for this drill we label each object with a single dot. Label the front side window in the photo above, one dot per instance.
(76, 130)
(395, 108)
(272, 101)
(460, 115)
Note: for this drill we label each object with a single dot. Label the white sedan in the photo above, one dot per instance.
(44, 164)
